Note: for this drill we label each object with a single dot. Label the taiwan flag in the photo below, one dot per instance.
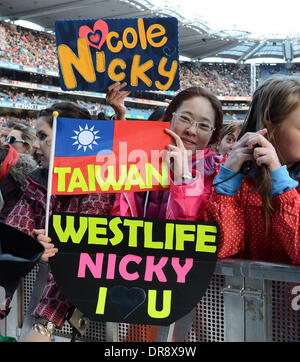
(93, 156)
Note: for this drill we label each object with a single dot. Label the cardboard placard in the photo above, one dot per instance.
(95, 53)
(132, 270)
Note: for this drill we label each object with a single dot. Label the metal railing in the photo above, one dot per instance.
(245, 301)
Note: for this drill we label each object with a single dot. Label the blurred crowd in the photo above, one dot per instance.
(221, 79)
(27, 47)
(37, 49)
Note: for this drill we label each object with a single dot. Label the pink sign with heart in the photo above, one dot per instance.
(97, 36)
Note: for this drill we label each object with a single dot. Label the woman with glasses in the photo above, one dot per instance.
(196, 118)
(22, 138)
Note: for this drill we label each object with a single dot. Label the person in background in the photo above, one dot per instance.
(6, 128)
(229, 136)
(14, 169)
(22, 138)
(157, 115)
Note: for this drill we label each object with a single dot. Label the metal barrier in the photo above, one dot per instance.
(245, 301)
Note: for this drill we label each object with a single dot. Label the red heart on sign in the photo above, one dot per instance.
(93, 36)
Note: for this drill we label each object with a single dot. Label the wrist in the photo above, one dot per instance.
(233, 165)
(274, 166)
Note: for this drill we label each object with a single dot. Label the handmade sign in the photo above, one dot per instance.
(19, 252)
(94, 53)
(109, 156)
(132, 270)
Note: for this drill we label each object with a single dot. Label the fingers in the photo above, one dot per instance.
(263, 131)
(114, 91)
(47, 244)
(49, 254)
(266, 156)
(259, 140)
(176, 138)
(44, 238)
(115, 97)
(252, 138)
(115, 87)
(39, 231)
(49, 251)
(262, 160)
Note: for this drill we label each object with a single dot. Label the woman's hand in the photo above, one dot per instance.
(243, 150)
(50, 250)
(179, 154)
(115, 98)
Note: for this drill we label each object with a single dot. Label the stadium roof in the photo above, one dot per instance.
(196, 40)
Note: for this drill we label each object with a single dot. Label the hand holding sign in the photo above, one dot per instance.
(115, 98)
(50, 250)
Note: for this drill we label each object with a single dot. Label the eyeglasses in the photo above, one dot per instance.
(188, 122)
(12, 139)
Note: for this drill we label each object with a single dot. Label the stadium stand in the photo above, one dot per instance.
(29, 56)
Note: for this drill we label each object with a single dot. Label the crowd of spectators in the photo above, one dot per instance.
(11, 96)
(4, 118)
(222, 79)
(267, 70)
(27, 47)
(37, 49)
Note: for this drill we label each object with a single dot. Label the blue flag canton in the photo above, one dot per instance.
(83, 137)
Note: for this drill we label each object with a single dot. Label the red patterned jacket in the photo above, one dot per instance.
(29, 213)
(242, 225)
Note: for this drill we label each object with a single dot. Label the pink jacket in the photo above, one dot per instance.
(179, 196)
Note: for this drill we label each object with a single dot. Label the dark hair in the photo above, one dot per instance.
(64, 109)
(157, 114)
(197, 92)
(101, 116)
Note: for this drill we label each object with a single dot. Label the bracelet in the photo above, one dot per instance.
(46, 329)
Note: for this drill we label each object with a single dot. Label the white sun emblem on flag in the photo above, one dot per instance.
(85, 138)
